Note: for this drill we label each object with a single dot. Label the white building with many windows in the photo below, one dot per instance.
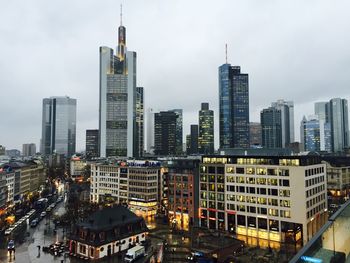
(136, 183)
(262, 199)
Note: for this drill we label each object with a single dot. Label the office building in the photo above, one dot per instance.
(194, 139)
(165, 133)
(182, 194)
(59, 126)
(325, 126)
(77, 166)
(310, 129)
(179, 131)
(28, 149)
(150, 131)
(255, 134)
(13, 153)
(136, 183)
(264, 199)
(91, 144)
(121, 103)
(271, 129)
(2, 150)
(206, 130)
(287, 120)
(339, 120)
(233, 107)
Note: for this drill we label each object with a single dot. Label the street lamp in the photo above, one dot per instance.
(333, 223)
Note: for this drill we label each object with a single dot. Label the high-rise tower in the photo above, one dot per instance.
(121, 103)
(206, 130)
(59, 126)
(234, 107)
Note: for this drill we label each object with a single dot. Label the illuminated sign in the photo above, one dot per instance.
(310, 259)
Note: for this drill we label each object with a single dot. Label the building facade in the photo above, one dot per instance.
(182, 194)
(310, 129)
(206, 130)
(255, 134)
(106, 233)
(194, 139)
(28, 149)
(179, 131)
(59, 126)
(287, 120)
(134, 183)
(268, 199)
(165, 133)
(121, 103)
(150, 131)
(233, 107)
(271, 129)
(92, 144)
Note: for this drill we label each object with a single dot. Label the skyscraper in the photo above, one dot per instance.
(255, 134)
(165, 133)
(321, 110)
(139, 140)
(120, 101)
(339, 120)
(28, 149)
(58, 126)
(194, 139)
(234, 107)
(206, 130)
(310, 129)
(91, 148)
(179, 130)
(150, 130)
(335, 114)
(287, 120)
(271, 129)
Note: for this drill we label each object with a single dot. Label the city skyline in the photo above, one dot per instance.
(53, 35)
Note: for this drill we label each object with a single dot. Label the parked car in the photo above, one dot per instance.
(43, 214)
(34, 223)
(8, 231)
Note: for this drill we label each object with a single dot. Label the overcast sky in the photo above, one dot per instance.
(294, 50)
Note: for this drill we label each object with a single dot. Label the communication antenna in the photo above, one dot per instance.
(121, 14)
(226, 52)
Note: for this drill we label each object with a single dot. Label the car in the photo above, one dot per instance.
(8, 231)
(43, 214)
(48, 210)
(11, 245)
(34, 223)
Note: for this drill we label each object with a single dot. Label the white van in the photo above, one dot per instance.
(134, 253)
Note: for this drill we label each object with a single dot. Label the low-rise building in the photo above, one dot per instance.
(107, 232)
(77, 166)
(264, 199)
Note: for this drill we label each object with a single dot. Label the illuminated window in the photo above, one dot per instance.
(261, 200)
(250, 180)
(273, 212)
(230, 170)
(261, 171)
(230, 179)
(250, 170)
(285, 203)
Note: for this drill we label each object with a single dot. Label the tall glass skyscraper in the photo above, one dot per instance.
(206, 130)
(120, 111)
(165, 133)
(234, 107)
(58, 126)
(179, 130)
(271, 128)
(287, 120)
(311, 134)
(335, 115)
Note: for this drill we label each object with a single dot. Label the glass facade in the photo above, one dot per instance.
(234, 107)
(271, 129)
(331, 243)
(206, 130)
(165, 133)
(91, 147)
(58, 126)
(311, 134)
(179, 130)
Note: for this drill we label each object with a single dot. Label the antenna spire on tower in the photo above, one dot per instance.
(121, 14)
(226, 52)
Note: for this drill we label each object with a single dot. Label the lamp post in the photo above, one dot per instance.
(333, 223)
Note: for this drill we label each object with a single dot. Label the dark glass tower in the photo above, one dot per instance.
(271, 129)
(206, 130)
(165, 133)
(234, 107)
(194, 139)
(91, 148)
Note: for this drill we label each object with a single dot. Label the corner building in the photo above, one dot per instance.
(263, 200)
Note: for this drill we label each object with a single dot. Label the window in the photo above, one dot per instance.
(273, 192)
(285, 193)
(272, 181)
(271, 171)
(230, 179)
(82, 249)
(230, 170)
(261, 171)
(240, 170)
(285, 214)
(261, 181)
(262, 200)
(284, 182)
(250, 170)
(273, 212)
(286, 203)
(273, 202)
(250, 180)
